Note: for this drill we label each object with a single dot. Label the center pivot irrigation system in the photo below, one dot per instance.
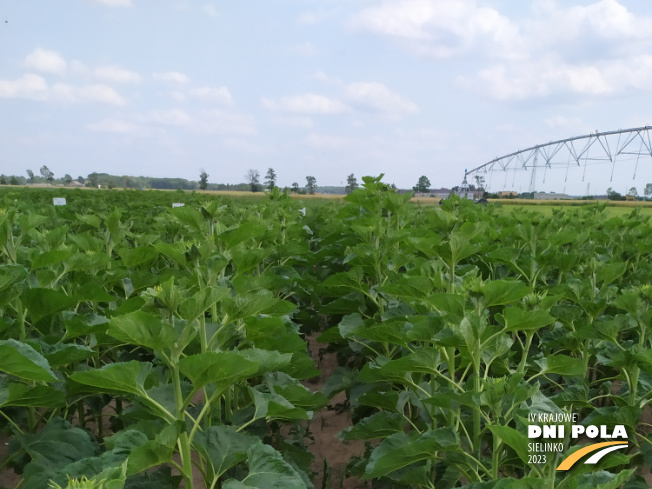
(572, 153)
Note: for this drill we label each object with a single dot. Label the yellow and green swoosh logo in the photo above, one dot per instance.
(604, 448)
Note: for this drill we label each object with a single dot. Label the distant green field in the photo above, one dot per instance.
(546, 210)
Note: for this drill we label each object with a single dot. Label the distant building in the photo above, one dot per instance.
(507, 193)
(441, 193)
(464, 190)
(550, 196)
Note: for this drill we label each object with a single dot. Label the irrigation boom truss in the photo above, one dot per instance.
(578, 151)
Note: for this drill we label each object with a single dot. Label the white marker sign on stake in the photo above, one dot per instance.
(178, 204)
(59, 201)
(303, 211)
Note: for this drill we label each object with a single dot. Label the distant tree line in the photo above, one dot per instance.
(252, 184)
(632, 193)
(105, 180)
(253, 181)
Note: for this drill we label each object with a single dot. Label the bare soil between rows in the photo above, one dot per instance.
(326, 424)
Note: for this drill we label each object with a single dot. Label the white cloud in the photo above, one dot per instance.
(118, 126)
(46, 61)
(635, 72)
(79, 69)
(28, 86)
(173, 77)
(595, 49)
(324, 78)
(407, 18)
(220, 95)
(100, 93)
(295, 121)
(178, 96)
(448, 28)
(371, 96)
(316, 17)
(443, 28)
(34, 87)
(90, 93)
(606, 19)
(116, 74)
(377, 97)
(214, 122)
(210, 10)
(564, 122)
(304, 49)
(114, 3)
(307, 104)
(65, 93)
(172, 117)
(552, 75)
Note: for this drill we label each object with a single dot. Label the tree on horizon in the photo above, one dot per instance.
(270, 179)
(47, 174)
(422, 186)
(351, 184)
(253, 179)
(311, 184)
(203, 180)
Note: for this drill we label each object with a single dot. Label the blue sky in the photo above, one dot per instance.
(318, 87)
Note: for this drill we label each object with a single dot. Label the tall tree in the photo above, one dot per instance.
(93, 180)
(648, 190)
(479, 180)
(423, 185)
(203, 180)
(67, 179)
(47, 174)
(311, 184)
(351, 184)
(253, 179)
(632, 192)
(295, 187)
(270, 179)
(30, 176)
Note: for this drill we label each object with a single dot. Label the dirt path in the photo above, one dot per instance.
(8, 478)
(326, 424)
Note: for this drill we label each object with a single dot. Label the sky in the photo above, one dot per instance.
(166, 88)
